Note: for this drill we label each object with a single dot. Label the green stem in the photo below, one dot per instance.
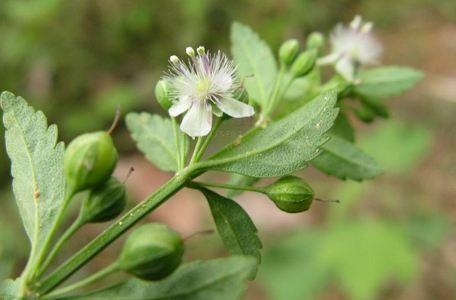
(176, 140)
(198, 146)
(208, 139)
(95, 277)
(272, 101)
(84, 255)
(78, 223)
(230, 186)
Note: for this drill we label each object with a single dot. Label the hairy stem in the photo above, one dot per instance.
(103, 240)
(97, 276)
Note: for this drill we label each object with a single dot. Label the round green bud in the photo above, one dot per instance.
(365, 114)
(89, 160)
(104, 203)
(162, 94)
(291, 194)
(315, 40)
(151, 252)
(288, 51)
(304, 63)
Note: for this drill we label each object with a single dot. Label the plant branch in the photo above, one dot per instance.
(103, 240)
(176, 140)
(229, 186)
(98, 275)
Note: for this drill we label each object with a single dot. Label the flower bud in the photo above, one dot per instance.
(89, 160)
(304, 63)
(162, 94)
(288, 51)
(151, 252)
(104, 202)
(290, 194)
(315, 40)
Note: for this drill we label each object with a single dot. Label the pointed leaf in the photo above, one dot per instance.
(284, 146)
(344, 160)
(238, 233)
(255, 63)
(36, 167)
(387, 81)
(154, 136)
(221, 279)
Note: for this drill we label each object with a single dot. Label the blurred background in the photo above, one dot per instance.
(391, 238)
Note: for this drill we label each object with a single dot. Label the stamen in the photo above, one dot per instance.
(190, 52)
(356, 23)
(201, 50)
(174, 59)
(367, 27)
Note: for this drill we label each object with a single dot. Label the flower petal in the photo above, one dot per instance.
(235, 108)
(180, 106)
(346, 68)
(198, 120)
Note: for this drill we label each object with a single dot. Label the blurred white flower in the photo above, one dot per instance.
(352, 47)
(203, 87)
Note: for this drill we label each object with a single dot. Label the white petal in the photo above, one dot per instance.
(234, 108)
(328, 59)
(198, 120)
(346, 68)
(180, 106)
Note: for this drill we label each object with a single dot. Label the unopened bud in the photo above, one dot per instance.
(315, 40)
(288, 51)
(162, 94)
(304, 63)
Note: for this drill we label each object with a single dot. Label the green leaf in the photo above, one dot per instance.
(238, 233)
(221, 279)
(387, 81)
(376, 106)
(343, 128)
(255, 62)
(284, 146)
(240, 180)
(154, 136)
(37, 168)
(344, 160)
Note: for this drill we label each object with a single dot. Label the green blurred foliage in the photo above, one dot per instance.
(357, 253)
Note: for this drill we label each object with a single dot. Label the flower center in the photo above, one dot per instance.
(202, 87)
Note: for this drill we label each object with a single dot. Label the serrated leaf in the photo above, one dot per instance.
(284, 146)
(154, 136)
(344, 160)
(387, 81)
(255, 63)
(221, 279)
(36, 167)
(236, 229)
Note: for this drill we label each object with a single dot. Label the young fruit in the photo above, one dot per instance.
(151, 252)
(89, 160)
(291, 194)
(104, 203)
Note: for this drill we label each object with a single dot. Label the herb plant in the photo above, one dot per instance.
(301, 119)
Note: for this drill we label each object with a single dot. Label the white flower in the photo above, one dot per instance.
(204, 86)
(352, 47)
